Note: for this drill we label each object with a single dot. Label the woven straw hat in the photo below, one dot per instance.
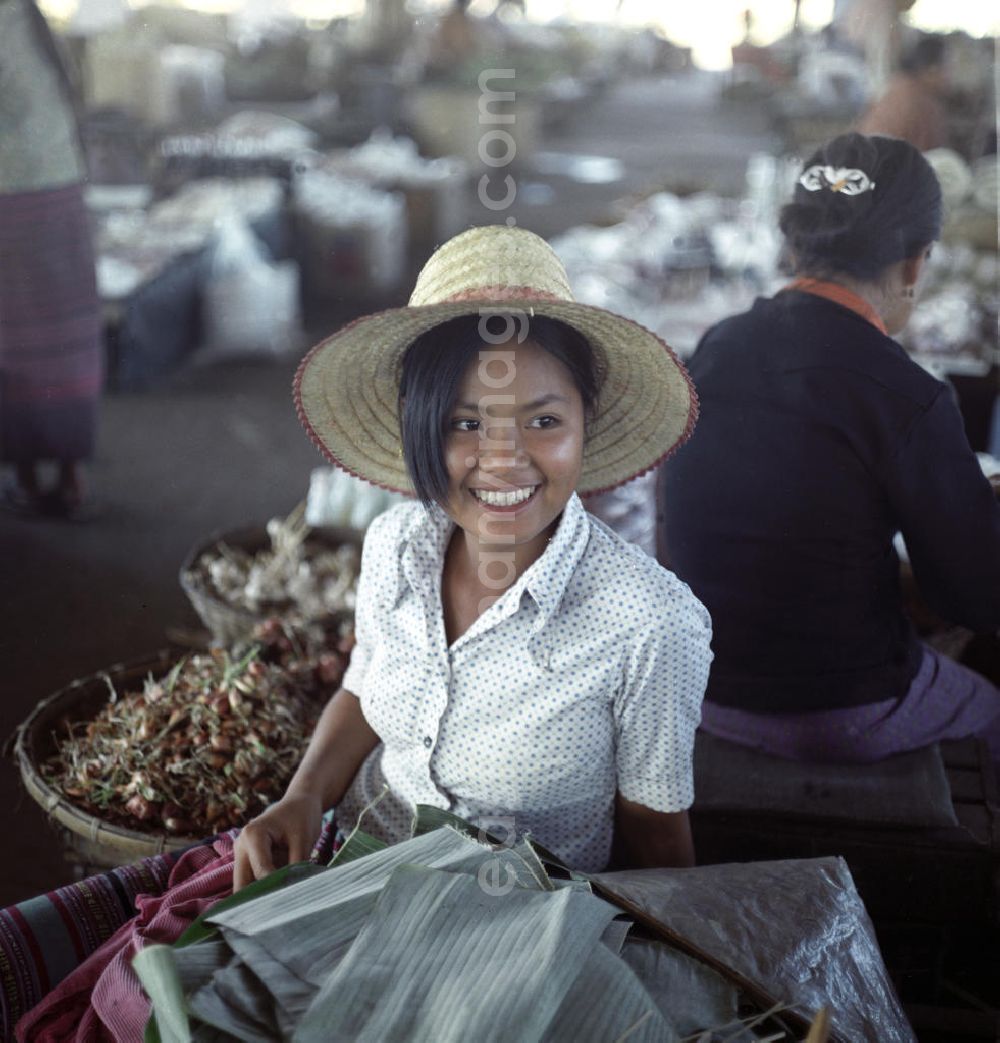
(346, 388)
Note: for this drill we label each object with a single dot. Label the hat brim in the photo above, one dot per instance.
(346, 391)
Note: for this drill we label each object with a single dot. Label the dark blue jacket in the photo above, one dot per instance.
(818, 440)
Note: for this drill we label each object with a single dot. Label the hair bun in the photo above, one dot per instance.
(861, 204)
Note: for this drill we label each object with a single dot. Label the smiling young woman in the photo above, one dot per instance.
(515, 658)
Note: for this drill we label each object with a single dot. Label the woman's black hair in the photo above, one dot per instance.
(432, 369)
(830, 232)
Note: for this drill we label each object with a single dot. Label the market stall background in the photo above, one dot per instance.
(257, 179)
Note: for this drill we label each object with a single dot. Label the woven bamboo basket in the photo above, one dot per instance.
(232, 624)
(90, 843)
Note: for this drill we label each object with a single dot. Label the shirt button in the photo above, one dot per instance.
(428, 741)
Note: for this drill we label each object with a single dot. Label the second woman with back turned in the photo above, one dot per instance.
(819, 440)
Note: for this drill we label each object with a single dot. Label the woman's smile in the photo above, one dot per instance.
(506, 501)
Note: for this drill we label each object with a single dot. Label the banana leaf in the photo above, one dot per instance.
(428, 818)
(358, 845)
(293, 938)
(200, 929)
(236, 1002)
(154, 965)
(436, 938)
(691, 994)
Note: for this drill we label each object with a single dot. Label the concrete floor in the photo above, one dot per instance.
(217, 447)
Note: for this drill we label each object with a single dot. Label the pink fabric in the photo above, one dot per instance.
(102, 999)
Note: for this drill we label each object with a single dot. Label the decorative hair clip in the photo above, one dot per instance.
(837, 179)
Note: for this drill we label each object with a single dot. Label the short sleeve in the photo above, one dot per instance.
(659, 706)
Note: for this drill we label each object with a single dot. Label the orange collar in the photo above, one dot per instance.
(840, 295)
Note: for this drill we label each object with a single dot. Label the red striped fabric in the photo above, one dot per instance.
(102, 998)
(41, 940)
(55, 996)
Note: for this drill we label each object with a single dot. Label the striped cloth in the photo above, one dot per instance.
(44, 939)
(51, 355)
(65, 957)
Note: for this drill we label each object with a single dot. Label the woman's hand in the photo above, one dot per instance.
(341, 741)
(292, 826)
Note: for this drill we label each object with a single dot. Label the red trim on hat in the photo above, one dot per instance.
(692, 411)
(318, 441)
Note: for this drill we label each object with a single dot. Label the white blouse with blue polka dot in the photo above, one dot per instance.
(585, 677)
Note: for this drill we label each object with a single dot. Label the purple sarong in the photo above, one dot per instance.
(51, 353)
(944, 701)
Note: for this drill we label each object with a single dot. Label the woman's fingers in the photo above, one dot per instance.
(242, 873)
(253, 856)
(299, 848)
(259, 851)
(291, 826)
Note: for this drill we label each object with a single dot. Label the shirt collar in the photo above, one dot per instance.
(426, 540)
(547, 578)
(840, 295)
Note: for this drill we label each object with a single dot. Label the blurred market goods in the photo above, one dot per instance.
(630, 510)
(955, 328)
(954, 175)
(307, 577)
(246, 144)
(456, 38)
(352, 238)
(433, 189)
(680, 264)
(97, 16)
(136, 242)
(338, 499)
(251, 304)
(145, 74)
(873, 27)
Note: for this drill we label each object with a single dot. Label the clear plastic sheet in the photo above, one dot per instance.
(797, 928)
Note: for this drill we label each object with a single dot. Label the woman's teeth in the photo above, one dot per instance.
(503, 499)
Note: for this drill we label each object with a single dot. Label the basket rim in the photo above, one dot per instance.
(57, 806)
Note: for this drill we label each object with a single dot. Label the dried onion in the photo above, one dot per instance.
(209, 745)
